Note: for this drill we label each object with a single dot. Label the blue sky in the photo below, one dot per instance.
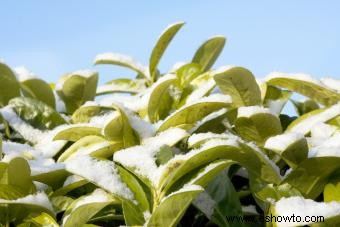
(53, 38)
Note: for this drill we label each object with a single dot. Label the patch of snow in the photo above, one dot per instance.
(205, 203)
(201, 91)
(100, 121)
(299, 206)
(208, 118)
(142, 158)
(176, 66)
(294, 76)
(39, 199)
(97, 196)
(331, 83)
(117, 57)
(306, 125)
(40, 166)
(248, 111)
(72, 179)
(23, 73)
(102, 173)
(185, 188)
(281, 142)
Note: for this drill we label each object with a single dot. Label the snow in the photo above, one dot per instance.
(39, 199)
(248, 111)
(201, 137)
(222, 69)
(41, 166)
(328, 147)
(43, 140)
(305, 125)
(144, 128)
(41, 187)
(281, 142)
(132, 102)
(331, 83)
(185, 188)
(294, 76)
(60, 105)
(299, 206)
(9, 147)
(102, 173)
(72, 179)
(97, 196)
(84, 73)
(100, 121)
(27, 131)
(207, 118)
(117, 57)
(176, 66)
(142, 158)
(23, 73)
(322, 130)
(214, 98)
(201, 91)
(251, 209)
(276, 106)
(205, 203)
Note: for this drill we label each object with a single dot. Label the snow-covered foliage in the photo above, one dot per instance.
(216, 141)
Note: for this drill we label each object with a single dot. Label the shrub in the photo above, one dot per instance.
(193, 146)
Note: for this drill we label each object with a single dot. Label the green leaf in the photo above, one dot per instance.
(75, 132)
(122, 60)
(132, 214)
(42, 219)
(305, 106)
(258, 127)
(38, 89)
(160, 101)
(332, 192)
(61, 203)
(53, 178)
(81, 214)
(219, 200)
(164, 155)
(161, 45)
(18, 174)
(187, 73)
(293, 153)
(119, 129)
(187, 116)
(36, 113)
(10, 192)
(311, 176)
(241, 85)
(275, 99)
(307, 88)
(275, 192)
(208, 52)
(136, 187)
(122, 86)
(79, 144)
(248, 156)
(172, 207)
(77, 88)
(84, 113)
(9, 86)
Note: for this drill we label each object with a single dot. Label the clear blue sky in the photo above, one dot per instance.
(54, 38)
